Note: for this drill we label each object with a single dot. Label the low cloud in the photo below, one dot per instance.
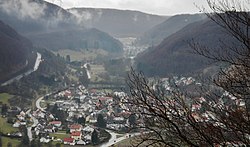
(23, 9)
(85, 17)
(36, 11)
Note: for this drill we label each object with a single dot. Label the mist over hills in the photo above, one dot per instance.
(120, 23)
(174, 54)
(157, 33)
(36, 18)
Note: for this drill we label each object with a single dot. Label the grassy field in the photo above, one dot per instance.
(61, 131)
(96, 71)
(6, 127)
(43, 104)
(128, 143)
(81, 55)
(59, 135)
(6, 140)
(4, 98)
(124, 143)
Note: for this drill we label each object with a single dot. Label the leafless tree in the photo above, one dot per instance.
(234, 17)
(166, 116)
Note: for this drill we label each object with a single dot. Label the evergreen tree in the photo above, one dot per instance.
(4, 109)
(101, 121)
(132, 120)
(68, 58)
(33, 143)
(0, 140)
(94, 137)
(81, 120)
(25, 139)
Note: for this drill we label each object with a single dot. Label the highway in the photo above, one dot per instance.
(36, 66)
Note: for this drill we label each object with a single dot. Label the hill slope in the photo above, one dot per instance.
(119, 23)
(156, 34)
(39, 21)
(174, 55)
(76, 39)
(35, 16)
(15, 51)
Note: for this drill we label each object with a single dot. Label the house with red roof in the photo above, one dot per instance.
(76, 135)
(68, 141)
(75, 128)
(56, 123)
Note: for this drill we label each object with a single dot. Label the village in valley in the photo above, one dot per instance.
(90, 116)
(72, 115)
(93, 115)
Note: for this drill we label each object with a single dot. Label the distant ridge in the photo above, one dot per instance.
(119, 23)
(156, 34)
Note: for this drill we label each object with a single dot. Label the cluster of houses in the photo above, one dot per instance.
(81, 102)
(197, 103)
(47, 124)
(78, 102)
(21, 119)
(79, 135)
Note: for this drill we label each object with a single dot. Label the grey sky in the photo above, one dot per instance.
(161, 7)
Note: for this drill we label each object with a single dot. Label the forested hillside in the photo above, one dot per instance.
(174, 54)
(15, 52)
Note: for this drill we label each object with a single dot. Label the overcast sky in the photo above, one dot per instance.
(161, 7)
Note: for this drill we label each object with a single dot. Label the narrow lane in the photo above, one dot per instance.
(35, 123)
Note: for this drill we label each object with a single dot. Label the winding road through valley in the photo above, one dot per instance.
(36, 66)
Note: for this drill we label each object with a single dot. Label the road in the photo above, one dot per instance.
(38, 61)
(114, 140)
(88, 73)
(38, 102)
(36, 66)
(111, 140)
(35, 123)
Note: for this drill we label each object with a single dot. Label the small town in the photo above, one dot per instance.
(82, 110)
(72, 116)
